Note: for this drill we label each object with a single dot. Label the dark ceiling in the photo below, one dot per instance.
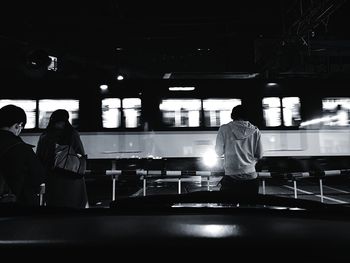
(189, 39)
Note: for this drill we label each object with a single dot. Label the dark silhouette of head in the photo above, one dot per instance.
(11, 114)
(59, 116)
(239, 113)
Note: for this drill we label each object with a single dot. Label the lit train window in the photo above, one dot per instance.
(111, 115)
(336, 111)
(218, 111)
(291, 111)
(47, 106)
(29, 106)
(272, 111)
(181, 112)
(53, 63)
(132, 112)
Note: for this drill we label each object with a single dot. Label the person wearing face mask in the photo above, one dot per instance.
(21, 172)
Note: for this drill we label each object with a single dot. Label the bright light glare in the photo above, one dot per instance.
(104, 87)
(271, 84)
(181, 88)
(211, 230)
(319, 120)
(210, 158)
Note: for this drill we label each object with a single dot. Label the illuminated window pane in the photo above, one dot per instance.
(132, 112)
(53, 63)
(218, 111)
(291, 111)
(181, 112)
(47, 107)
(272, 111)
(29, 106)
(336, 111)
(111, 113)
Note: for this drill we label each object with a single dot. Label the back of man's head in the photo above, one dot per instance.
(239, 113)
(10, 115)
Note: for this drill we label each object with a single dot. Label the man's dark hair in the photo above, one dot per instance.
(11, 114)
(239, 113)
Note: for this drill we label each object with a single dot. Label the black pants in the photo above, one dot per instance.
(240, 187)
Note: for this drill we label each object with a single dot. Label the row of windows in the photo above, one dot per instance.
(277, 112)
(45, 109)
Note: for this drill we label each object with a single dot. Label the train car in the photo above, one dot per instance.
(170, 123)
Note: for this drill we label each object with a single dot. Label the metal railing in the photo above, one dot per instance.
(173, 176)
(179, 177)
(294, 176)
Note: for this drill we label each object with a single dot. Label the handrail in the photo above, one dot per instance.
(205, 173)
(180, 176)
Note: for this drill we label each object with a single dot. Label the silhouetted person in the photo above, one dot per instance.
(20, 169)
(63, 188)
(240, 143)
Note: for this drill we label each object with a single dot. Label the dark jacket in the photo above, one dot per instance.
(62, 189)
(20, 168)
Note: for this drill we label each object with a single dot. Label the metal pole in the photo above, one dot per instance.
(41, 200)
(321, 190)
(263, 186)
(295, 189)
(113, 187)
(179, 186)
(41, 194)
(114, 164)
(208, 183)
(144, 186)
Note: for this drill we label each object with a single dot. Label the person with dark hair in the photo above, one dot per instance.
(239, 142)
(21, 172)
(63, 188)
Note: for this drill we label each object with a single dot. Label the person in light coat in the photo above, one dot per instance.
(239, 142)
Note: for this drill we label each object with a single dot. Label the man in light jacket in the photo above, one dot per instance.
(239, 142)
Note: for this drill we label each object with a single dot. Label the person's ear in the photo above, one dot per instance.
(18, 125)
(18, 128)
